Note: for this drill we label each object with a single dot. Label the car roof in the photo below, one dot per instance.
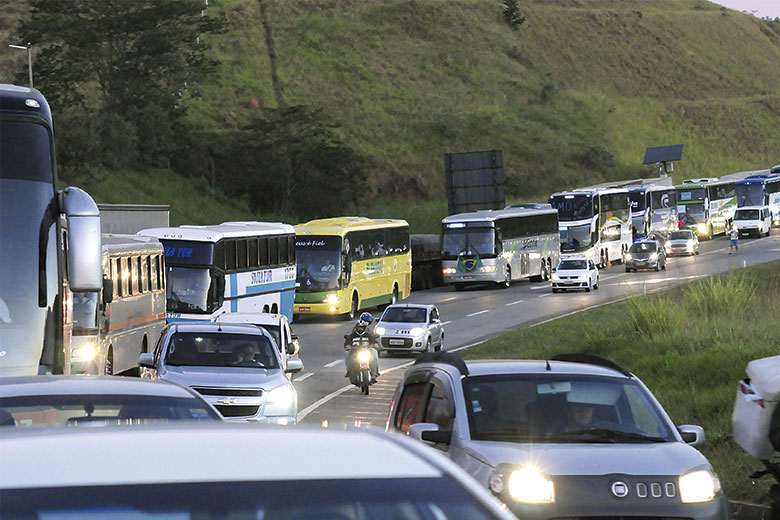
(752, 207)
(87, 385)
(255, 318)
(298, 453)
(528, 366)
(208, 326)
(409, 306)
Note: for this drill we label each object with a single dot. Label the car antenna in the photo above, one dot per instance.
(547, 365)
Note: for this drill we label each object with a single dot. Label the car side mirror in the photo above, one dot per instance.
(146, 360)
(430, 432)
(294, 365)
(693, 435)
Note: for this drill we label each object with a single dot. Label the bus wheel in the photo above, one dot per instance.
(545, 271)
(353, 308)
(507, 279)
(108, 366)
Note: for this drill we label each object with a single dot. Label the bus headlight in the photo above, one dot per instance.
(701, 228)
(488, 269)
(448, 270)
(531, 486)
(332, 299)
(698, 486)
(85, 353)
(279, 401)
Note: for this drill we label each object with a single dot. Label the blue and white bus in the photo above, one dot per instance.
(760, 190)
(594, 222)
(230, 267)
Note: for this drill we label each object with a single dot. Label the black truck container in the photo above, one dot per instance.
(426, 262)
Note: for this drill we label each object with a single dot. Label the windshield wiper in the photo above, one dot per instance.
(602, 434)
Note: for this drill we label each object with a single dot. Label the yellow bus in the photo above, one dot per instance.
(350, 263)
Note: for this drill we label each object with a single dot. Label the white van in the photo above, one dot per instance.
(276, 325)
(753, 220)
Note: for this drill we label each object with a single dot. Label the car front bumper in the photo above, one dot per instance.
(401, 343)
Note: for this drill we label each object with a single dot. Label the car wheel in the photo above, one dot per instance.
(441, 343)
(590, 284)
(428, 346)
(596, 286)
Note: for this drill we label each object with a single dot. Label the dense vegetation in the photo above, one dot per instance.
(364, 98)
(695, 342)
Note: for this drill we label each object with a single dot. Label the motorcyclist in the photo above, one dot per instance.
(360, 330)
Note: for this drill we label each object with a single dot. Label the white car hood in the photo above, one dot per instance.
(224, 377)
(667, 458)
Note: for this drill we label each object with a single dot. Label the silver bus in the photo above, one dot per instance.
(499, 246)
(112, 328)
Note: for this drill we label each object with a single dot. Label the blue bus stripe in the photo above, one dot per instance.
(233, 292)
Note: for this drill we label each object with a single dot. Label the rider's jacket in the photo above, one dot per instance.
(372, 338)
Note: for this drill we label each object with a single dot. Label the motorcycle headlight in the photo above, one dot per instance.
(332, 299)
(280, 401)
(380, 330)
(699, 486)
(417, 331)
(364, 356)
(531, 486)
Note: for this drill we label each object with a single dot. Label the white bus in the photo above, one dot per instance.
(113, 327)
(760, 190)
(500, 246)
(230, 267)
(653, 209)
(594, 222)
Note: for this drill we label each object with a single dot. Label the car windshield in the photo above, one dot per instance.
(746, 214)
(643, 247)
(681, 235)
(572, 264)
(404, 315)
(100, 410)
(220, 349)
(439, 498)
(561, 408)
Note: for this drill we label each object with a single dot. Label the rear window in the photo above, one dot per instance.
(338, 499)
(100, 410)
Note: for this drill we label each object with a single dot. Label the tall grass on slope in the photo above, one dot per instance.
(690, 345)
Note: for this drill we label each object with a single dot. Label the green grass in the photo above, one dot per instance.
(690, 345)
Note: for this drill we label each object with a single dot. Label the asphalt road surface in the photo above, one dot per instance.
(476, 314)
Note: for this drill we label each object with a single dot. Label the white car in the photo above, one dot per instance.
(682, 242)
(235, 367)
(575, 273)
(410, 328)
(753, 221)
(234, 471)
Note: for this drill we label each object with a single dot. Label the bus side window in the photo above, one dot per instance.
(291, 249)
(116, 275)
(254, 258)
(132, 271)
(263, 245)
(283, 250)
(273, 251)
(161, 271)
(242, 254)
(143, 262)
(153, 283)
(230, 255)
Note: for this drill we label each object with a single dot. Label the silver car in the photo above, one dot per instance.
(235, 367)
(682, 242)
(410, 328)
(574, 437)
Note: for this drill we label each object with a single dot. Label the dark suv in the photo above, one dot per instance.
(645, 254)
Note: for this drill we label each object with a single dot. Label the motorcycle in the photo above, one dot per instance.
(359, 367)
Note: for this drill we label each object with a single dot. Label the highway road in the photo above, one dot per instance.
(479, 313)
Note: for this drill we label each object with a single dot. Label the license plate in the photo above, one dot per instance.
(304, 309)
(468, 277)
(396, 342)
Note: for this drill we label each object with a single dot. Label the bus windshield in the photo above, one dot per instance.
(85, 311)
(318, 263)
(469, 241)
(750, 195)
(690, 194)
(638, 200)
(575, 239)
(26, 189)
(188, 289)
(694, 214)
(573, 207)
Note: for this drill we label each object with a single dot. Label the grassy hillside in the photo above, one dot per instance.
(572, 98)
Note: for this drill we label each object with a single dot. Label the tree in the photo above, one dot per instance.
(512, 15)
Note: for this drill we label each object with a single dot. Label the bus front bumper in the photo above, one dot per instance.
(464, 278)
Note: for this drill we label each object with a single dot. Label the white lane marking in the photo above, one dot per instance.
(448, 299)
(304, 376)
(545, 286)
(476, 313)
(544, 295)
(334, 363)
(446, 322)
(513, 303)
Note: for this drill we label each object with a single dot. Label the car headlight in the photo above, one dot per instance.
(488, 269)
(628, 256)
(668, 246)
(332, 299)
(556, 278)
(417, 331)
(653, 256)
(448, 270)
(364, 356)
(699, 486)
(531, 486)
(380, 330)
(701, 228)
(280, 401)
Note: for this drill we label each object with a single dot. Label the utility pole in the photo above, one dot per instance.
(29, 58)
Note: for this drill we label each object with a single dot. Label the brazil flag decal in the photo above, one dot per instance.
(468, 264)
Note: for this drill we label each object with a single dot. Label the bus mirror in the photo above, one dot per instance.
(108, 290)
(219, 289)
(84, 255)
